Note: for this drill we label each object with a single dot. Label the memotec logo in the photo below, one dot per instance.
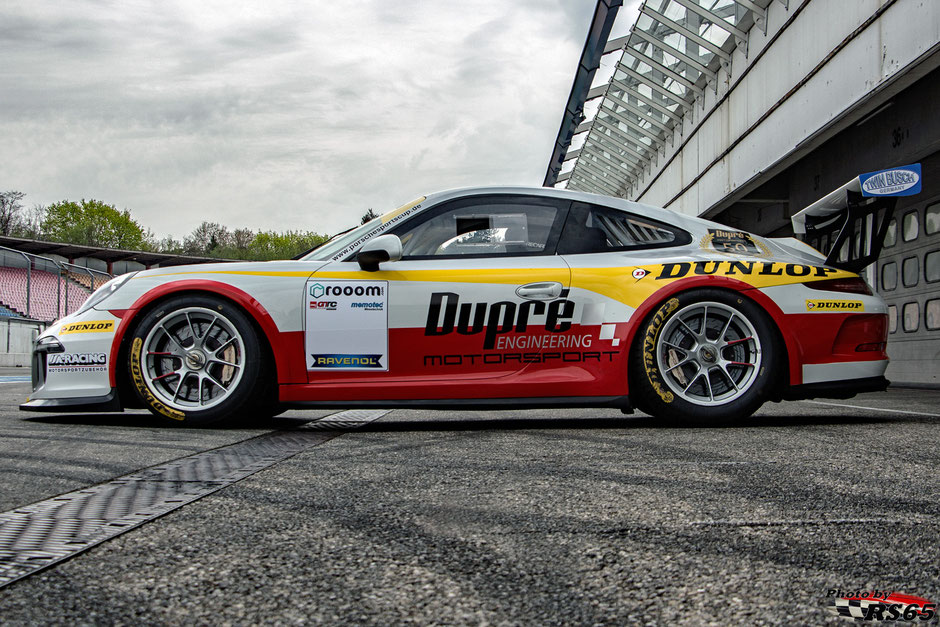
(903, 181)
(317, 290)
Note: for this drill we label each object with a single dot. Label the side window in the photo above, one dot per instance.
(932, 266)
(909, 272)
(891, 235)
(889, 276)
(909, 231)
(911, 316)
(592, 229)
(932, 314)
(485, 226)
(932, 219)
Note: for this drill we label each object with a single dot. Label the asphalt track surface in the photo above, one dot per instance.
(568, 517)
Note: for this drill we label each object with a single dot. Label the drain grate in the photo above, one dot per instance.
(42, 534)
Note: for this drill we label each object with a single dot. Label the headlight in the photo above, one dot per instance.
(104, 291)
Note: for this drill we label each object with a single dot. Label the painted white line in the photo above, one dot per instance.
(890, 411)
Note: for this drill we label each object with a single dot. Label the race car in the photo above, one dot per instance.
(498, 297)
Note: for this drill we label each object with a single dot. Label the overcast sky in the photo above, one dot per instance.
(280, 115)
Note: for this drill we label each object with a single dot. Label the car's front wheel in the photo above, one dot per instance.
(704, 356)
(197, 359)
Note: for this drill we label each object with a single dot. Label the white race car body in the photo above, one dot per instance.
(499, 302)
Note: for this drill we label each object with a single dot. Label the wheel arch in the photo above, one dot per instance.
(130, 318)
(785, 340)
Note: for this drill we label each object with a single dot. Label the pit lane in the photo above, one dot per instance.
(549, 516)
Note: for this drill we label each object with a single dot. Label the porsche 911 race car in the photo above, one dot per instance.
(483, 298)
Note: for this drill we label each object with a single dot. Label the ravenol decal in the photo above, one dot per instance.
(835, 305)
(902, 181)
(95, 326)
(346, 361)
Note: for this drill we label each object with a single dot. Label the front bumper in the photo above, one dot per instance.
(107, 403)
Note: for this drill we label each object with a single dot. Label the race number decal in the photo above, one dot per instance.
(346, 325)
(735, 242)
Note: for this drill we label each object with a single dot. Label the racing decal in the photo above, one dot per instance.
(902, 181)
(649, 349)
(388, 220)
(346, 325)
(683, 269)
(835, 305)
(537, 332)
(94, 326)
(734, 242)
(77, 362)
(138, 378)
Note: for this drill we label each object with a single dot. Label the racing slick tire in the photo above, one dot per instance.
(197, 360)
(705, 356)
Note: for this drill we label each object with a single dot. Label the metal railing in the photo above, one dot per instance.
(39, 277)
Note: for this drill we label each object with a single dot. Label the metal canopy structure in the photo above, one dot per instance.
(673, 54)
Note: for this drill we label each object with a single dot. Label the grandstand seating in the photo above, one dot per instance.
(6, 312)
(47, 293)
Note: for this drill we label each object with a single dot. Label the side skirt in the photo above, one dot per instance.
(835, 389)
(616, 402)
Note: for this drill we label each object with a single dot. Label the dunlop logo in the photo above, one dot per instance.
(835, 305)
(94, 326)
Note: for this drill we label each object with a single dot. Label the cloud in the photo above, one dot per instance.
(277, 115)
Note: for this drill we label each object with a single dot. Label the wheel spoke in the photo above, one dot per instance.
(676, 346)
(704, 318)
(681, 363)
(724, 331)
(179, 386)
(727, 374)
(192, 329)
(172, 338)
(743, 339)
(223, 346)
(687, 328)
(223, 362)
(691, 383)
(215, 381)
(708, 384)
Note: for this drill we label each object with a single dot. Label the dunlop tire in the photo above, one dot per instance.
(256, 391)
(650, 393)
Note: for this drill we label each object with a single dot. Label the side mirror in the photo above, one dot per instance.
(381, 249)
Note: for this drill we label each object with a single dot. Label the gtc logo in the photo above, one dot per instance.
(327, 305)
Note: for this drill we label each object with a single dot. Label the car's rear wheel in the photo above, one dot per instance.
(704, 356)
(197, 359)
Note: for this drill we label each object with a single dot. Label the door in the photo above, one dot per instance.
(478, 294)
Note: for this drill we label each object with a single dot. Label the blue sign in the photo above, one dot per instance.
(900, 181)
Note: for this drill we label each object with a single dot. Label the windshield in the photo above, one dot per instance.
(348, 241)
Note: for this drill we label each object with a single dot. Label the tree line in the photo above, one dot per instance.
(95, 223)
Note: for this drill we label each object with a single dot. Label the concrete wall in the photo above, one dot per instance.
(16, 341)
(822, 65)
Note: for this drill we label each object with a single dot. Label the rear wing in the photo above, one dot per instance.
(849, 224)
